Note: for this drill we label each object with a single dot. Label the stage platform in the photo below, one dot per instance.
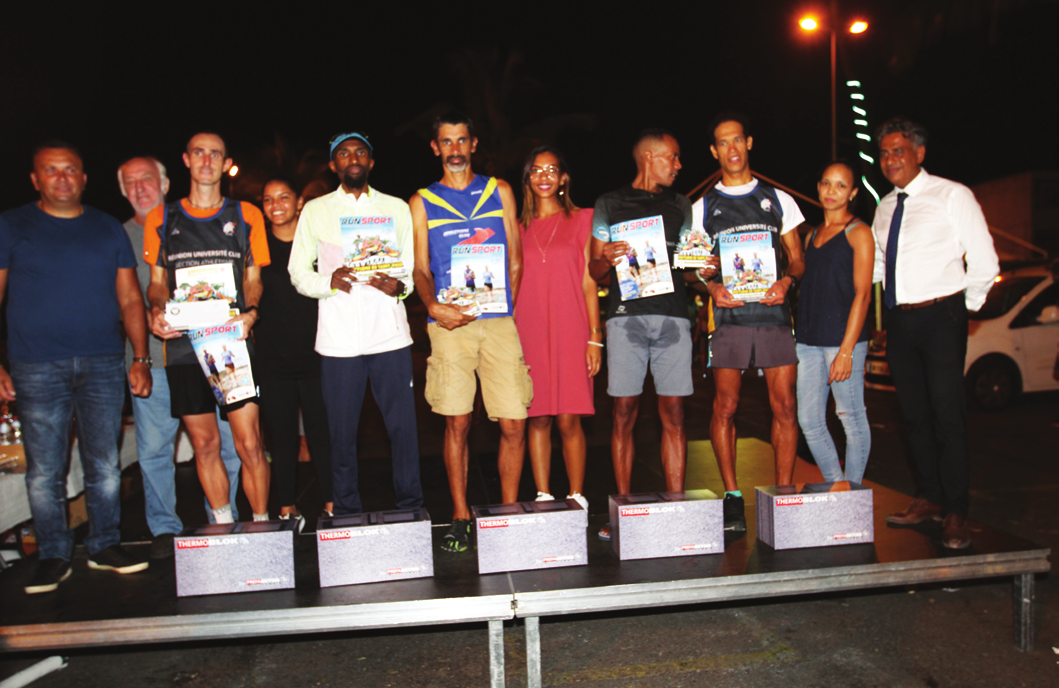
(96, 608)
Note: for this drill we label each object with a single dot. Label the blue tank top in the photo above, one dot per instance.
(465, 229)
(827, 292)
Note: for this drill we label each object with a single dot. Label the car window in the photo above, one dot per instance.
(1028, 316)
(1004, 295)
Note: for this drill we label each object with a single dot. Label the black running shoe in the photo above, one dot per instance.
(734, 516)
(458, 539)
(49, 573)
(115, 558)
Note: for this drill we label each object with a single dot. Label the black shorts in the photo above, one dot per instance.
(190, 393)
(742, 347)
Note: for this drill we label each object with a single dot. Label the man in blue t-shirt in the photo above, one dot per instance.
(67, 359)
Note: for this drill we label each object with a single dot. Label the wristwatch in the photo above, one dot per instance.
(794, 281)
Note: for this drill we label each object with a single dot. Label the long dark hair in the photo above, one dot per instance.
(529, 201)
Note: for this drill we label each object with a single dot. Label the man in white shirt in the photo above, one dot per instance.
(748, 334)
(924, 231)
(363, 329)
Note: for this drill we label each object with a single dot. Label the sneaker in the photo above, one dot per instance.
(580, 499)
(298, 517)
(49, 573)
(543, 497)
(604, 533)
(458, 539)
(115, 558)
(734, 516)
(161, 547)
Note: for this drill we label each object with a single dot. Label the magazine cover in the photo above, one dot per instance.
(481, 270)
(748, 264)
(644, 271)
(693, 249)
(369, 245)
(225, 361)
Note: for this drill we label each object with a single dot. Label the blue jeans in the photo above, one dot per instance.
(156, 433)
(814, 366)
(50, 395)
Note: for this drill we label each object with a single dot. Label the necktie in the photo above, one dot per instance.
(890, 290)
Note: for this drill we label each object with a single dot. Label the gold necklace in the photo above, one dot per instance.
(544, 251)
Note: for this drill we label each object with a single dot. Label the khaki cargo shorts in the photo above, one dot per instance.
(489, 347)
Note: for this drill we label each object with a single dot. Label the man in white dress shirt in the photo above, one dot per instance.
(362, 333)
(924, 231)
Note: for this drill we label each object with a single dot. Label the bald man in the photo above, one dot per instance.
(647, 318)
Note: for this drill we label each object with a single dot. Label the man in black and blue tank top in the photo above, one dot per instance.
(462, 224)
(647, 319)
(743, 210)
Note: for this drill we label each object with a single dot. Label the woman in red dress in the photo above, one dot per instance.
(557, 317)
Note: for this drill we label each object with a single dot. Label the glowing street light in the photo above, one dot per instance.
(809, 23)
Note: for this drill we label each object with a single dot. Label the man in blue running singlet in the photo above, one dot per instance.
(462, 224)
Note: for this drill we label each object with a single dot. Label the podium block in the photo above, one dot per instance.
(652, 525)
(814, 515)
(531, 535)
(235, 557)
(373, 547)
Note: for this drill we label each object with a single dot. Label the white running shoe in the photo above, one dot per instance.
(544, 497)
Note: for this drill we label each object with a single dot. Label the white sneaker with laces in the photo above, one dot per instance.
(544, 497)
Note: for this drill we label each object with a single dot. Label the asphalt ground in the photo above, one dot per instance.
(893, 637)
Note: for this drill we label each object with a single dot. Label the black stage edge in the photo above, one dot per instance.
(96, 608)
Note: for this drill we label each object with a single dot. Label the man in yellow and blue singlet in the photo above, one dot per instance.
(462, 223)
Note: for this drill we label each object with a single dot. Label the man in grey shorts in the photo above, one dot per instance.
(646, 330)
(750, 335)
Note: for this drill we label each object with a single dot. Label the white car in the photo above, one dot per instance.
(1012, 343)
(1013, 339)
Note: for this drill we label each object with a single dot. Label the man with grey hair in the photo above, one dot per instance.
(925, 230)
(144, 183)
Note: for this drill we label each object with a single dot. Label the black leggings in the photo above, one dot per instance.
(281, 396)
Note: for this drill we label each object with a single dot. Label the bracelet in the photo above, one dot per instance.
(699, 275)
(595, 343)
(596, 330)
(142, 359)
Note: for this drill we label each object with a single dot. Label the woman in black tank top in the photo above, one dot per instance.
(831, 331)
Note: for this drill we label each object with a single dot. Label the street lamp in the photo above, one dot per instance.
(809, 23)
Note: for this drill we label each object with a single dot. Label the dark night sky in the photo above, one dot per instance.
(120, 80)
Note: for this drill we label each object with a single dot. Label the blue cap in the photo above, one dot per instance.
(337, 139)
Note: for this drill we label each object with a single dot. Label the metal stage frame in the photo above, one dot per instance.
(95, 609)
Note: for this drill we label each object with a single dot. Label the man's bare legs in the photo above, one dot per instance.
(674, 441)
(246, 435)
(456, 460)
(510, 457)
(206, 443)
(622, 446)
(783, 399)
(727, 384)
(509, 460)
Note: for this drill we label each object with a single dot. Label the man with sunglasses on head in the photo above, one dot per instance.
(362, 332)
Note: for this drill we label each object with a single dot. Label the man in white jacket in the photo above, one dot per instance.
(353, 235)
